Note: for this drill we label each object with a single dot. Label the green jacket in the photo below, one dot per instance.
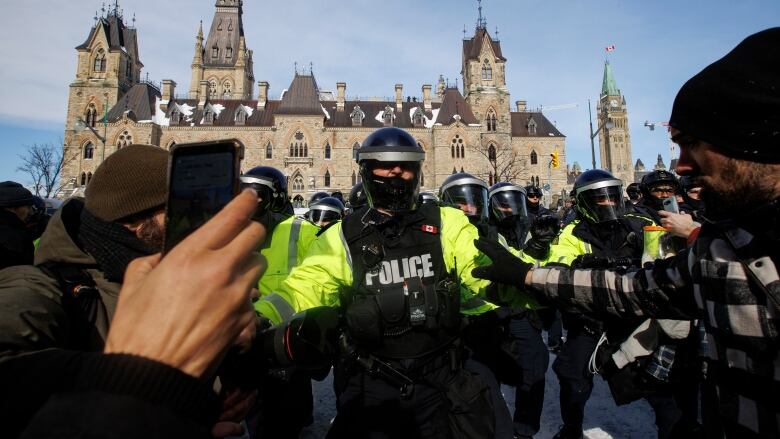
(32, 314)
(326, 269)
(284, 248)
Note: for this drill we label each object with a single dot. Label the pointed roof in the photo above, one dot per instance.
(608, 85)
(303, 97)
(473, 47)
(453, 103)
(639, 166)
(227, 28)
(140, 99)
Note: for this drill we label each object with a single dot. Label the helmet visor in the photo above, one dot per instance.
(602, 204)
(322, 217)
(508, 204)
(472, 199)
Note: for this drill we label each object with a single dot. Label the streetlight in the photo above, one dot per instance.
(608, 125)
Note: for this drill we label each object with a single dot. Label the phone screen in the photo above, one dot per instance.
(202, 180)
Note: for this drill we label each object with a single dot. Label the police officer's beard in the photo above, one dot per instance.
(151, 233)
(743, 186)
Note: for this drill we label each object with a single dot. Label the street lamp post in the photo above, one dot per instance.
(606, 125)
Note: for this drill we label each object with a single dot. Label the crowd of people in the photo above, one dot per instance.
(420, 304)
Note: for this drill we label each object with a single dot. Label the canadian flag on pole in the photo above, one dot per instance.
(610, 48)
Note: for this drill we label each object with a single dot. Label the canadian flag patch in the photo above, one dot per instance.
(429, 229)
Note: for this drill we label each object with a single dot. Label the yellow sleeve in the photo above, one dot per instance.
(567, 249)
(307, 237)
(315, 282)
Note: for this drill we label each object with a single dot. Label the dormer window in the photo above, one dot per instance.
(229, 53)
(531, 126)
(357, 116)
(418, 118)
(175, 115)
(387, 116)
(241, 115)
(208, 116)
(230, 24)
(215, 52)
(487, 71)
(100, 61)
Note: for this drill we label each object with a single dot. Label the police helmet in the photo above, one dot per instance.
(688, 182)
(633, 191)
(391, 146)
(466, 192)
(599, 196)
(507, 202)
(357, 197)
(325, 211)
(271, 187)
(533, 191)
(658, 179)
(427, 198)
(338, 195)
(317, 197)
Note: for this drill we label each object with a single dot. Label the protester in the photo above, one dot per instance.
(728, 278)
(171, 329)
(16, 243)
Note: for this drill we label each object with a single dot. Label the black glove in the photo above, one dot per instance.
(543, 230)
(308, 340)
(506, 268)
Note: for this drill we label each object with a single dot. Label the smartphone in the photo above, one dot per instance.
(670, 204)
(202, 179)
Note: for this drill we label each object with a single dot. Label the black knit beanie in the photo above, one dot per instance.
(130, 181)
(734, 103)
(13, 194)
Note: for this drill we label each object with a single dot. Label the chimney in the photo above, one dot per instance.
(262, 94)
(399, 99)
(168, 90)
(341, 90)
(203, 94)
(426, 89)
(520, 105)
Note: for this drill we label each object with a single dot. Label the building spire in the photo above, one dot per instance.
(481, 21)
(608, 85)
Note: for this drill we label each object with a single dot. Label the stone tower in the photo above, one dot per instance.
(615, 142)
(223, 60)
(108, 66)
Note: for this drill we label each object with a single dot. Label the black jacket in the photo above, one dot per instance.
(16, 244)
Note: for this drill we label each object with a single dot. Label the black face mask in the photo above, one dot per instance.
(391, 193)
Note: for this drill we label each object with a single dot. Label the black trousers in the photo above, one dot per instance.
(576, 381)
(284, 407)
(532, 358)
(371, 407)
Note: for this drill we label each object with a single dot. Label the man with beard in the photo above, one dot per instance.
(728, 278)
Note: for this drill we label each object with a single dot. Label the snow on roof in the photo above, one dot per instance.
(379, 117)
(327, 115)
(217, 109)
(159, 115)
(430, 122)
(186, 111)
(248, 110)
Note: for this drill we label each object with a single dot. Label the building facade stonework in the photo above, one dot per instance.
(614, 142)
(310, 134)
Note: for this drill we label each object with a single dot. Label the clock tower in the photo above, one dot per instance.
(614, 142)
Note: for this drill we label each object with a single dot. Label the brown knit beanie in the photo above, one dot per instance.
(128, 182)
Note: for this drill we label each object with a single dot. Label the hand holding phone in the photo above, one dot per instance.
(202, 179)
(670, 204)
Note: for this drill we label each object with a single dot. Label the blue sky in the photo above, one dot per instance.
(554, 48)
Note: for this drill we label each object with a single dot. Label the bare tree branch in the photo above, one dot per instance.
(504, 164)
(43, 163)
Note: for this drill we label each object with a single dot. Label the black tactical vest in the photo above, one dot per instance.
(403, 303)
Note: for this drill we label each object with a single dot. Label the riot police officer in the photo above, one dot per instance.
(634, 193)
(427, 197)
(286, 393)
(534, 203)
(656, 186)
(402, 277)
(357, 197)
(317, 197)
(325, 212)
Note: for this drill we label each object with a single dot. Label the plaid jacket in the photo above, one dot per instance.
(708, 282)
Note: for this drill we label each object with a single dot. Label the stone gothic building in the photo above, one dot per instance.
(614, 142)
(310, 134)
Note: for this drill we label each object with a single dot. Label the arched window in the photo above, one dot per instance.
(172, 144)
(491, 120)
(454, 171)
(83, 179)
(461, 170)
(124, 139)
(534, 157)
(298, 145)
(269, 151)
(355, 148)
(298, 201)
(89, 151)
(487, 71)
(212, 89)
(354, 180)
(298, 183)
(456, 147)
(327, 178)
(91, 117)
(89, 177)
(327, 151)
(492, 153)
(227, 90)
(100, 61)
(417, 117)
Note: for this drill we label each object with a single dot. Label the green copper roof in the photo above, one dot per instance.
(608, 85)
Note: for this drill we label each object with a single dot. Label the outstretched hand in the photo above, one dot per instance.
(187, 309)
(506, 268)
